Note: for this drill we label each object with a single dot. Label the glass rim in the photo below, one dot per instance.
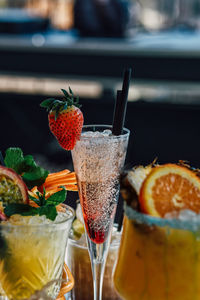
(49, 225)
(125, 132)
(142, 218)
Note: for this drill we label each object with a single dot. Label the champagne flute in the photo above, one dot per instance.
(98, 158)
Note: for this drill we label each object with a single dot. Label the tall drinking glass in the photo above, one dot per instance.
(98, 158)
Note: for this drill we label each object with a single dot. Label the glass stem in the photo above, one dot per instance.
(98, 255)
(98, 272)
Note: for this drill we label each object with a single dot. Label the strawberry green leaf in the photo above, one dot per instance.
(70, 90)
(66, 94)
(46, 103)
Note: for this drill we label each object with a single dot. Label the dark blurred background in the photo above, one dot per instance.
(46, 45)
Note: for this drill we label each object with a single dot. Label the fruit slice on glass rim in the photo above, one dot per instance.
(170, 188)
(12, 187)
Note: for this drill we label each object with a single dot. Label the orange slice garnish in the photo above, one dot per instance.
(170, 188)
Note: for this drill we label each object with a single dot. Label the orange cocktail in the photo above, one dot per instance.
(159, 257)
(158, 260)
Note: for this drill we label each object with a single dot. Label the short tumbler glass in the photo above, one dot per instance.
(32, 256)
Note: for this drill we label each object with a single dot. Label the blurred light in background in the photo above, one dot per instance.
(35, 15)
(149, 15)
(48, 86)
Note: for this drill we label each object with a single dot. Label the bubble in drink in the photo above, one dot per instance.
(98, 160)
(99, 204)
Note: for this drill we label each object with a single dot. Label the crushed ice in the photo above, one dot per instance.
(35, 220)
(184, 214)
(97, 134)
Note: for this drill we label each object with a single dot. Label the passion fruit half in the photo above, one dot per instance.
(12, 187)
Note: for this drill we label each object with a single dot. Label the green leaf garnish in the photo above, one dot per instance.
(32, 174)
(47, 103)
(57, 198)
(46, 207)
(49, 211)
(14, 158)
(57, 106)
(35, 200)
(20, 208)
(35, 177)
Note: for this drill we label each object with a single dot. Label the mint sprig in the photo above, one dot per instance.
(20, 208)
(46, 207)
(32, 174)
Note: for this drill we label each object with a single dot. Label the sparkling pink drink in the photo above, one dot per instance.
(98, 159)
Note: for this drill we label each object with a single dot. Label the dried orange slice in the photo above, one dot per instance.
(168, 188)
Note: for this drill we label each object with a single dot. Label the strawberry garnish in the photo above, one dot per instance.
(65, 119)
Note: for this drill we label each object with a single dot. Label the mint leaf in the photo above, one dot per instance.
(34, 199)
(35, 176)
(20, 208)
(26, 210)
(49, 211)
(28, 163)
(57, 198)
(14, 158)
(32, 174)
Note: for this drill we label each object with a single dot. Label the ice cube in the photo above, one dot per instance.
(88, 133)
(107, 132)
(187, 214)
(171, 215)
(92, 134)
(97, 134)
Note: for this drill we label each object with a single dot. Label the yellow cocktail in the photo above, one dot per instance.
(159, 259)
(32, 253)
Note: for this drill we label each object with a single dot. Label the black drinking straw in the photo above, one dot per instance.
(120, 104)
(118, 121)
